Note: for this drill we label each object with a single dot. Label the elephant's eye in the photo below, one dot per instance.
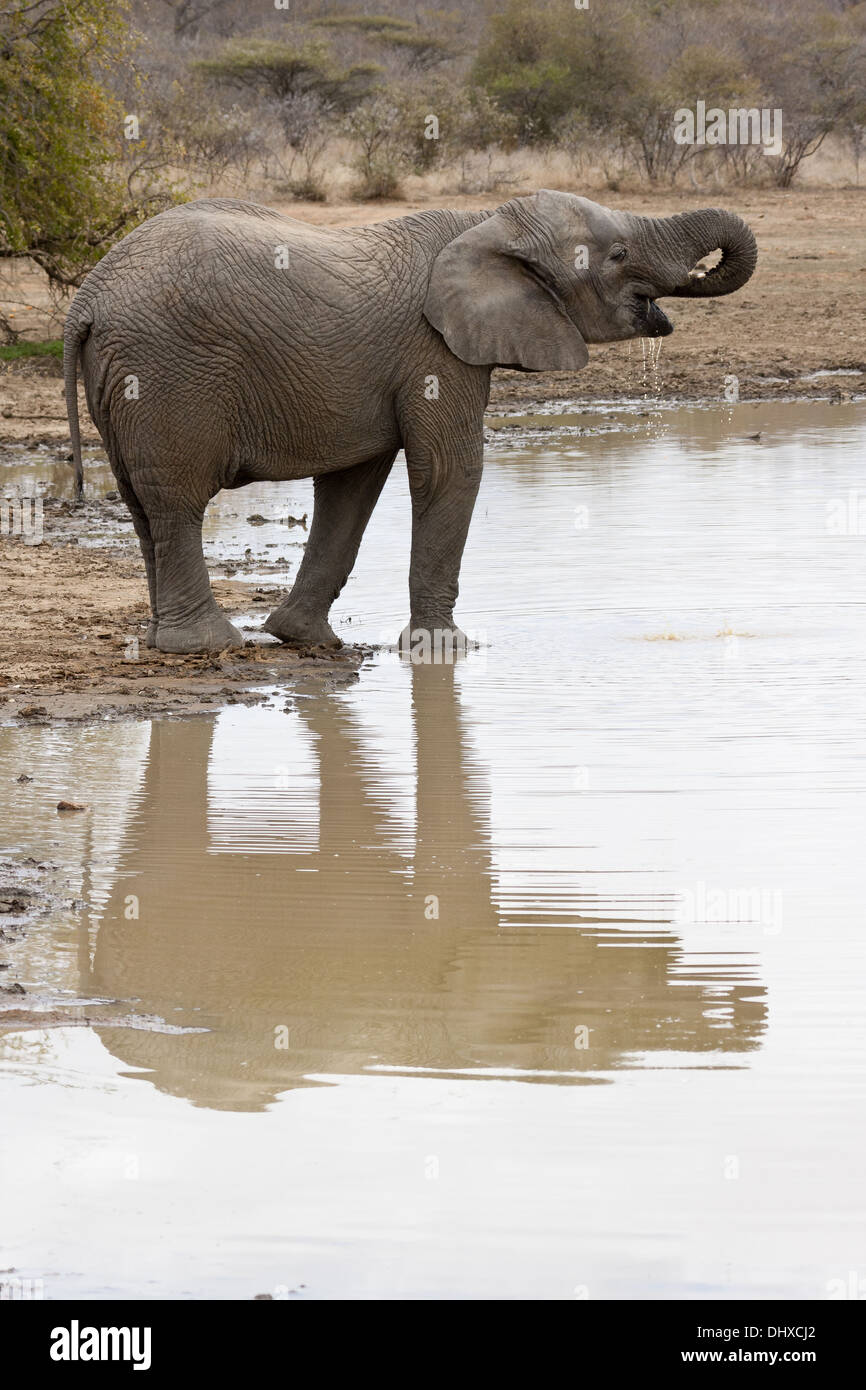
(618, 253)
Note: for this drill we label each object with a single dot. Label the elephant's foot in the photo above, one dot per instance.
(150, 635)
(432, 643)
(299, 628)
(212, 633)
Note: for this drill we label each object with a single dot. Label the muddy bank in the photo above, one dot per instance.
(74, 607)
(750, 345)
(74, 618)
(30, 890)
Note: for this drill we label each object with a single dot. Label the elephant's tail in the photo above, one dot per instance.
(75, 330)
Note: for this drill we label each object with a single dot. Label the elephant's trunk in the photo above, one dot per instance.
(688, 237)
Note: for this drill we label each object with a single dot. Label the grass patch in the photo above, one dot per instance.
(11, 352)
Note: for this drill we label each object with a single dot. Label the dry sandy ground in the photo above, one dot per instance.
(801, 313)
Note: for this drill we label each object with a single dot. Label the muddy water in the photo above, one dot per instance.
(540, 976)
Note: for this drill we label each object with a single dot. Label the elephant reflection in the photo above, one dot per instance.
(306, 965)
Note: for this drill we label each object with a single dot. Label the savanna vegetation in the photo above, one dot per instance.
(109, 111)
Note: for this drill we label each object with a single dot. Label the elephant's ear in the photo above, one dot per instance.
(485, 300)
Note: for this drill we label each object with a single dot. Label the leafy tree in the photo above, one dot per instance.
(382, 147)
(698, 72)
(197, 134)
(466, 121)
(811, 68)
(63, 198)
(541, 64)
(423, 48)
(286, 70)
(521, 66)
(718, 77)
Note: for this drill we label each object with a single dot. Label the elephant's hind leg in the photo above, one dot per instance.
(343, 504)
(145, 540)
(189, 618)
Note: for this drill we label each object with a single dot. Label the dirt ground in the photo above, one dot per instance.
(802, 313)
(72, 635)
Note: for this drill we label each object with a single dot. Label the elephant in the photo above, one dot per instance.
(222, 343)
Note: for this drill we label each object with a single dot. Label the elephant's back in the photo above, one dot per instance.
(236, 324)
(248, 273)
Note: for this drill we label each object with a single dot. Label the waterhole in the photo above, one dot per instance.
(541, 974)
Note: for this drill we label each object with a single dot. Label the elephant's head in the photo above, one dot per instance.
(541, 277)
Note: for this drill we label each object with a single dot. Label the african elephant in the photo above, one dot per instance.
(223, 343)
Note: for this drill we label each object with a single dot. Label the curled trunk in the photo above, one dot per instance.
(688, 237)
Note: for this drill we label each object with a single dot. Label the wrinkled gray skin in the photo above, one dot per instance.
(246, 371)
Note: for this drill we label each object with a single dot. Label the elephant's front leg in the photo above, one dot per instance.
(443, 482)
(343, 503)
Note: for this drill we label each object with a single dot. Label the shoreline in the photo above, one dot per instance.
(32, 412)
(90, 663)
